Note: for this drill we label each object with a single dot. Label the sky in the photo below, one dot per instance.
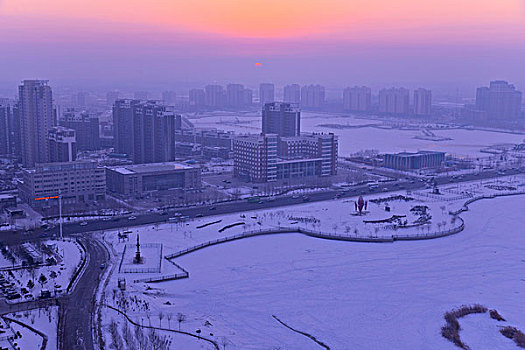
(334, 42)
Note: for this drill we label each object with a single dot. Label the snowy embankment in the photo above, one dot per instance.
(345, 295)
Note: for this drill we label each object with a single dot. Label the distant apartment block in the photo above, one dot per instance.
(215, 96)
(394, 101)
(197, 97)
(77, 182)
(312, 96)
(283, 119)
(266, 93)
(169, 97)
(86, 127)
(144, 130)
(62, 144)
(292, 94)
(501, 101)
(414, 161)
(357, 99)
(137, 180)
(422, 102)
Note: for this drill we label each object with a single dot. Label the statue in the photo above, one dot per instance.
(138, 257)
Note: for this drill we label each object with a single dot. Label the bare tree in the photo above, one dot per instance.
(180, 318)
(168, 317)
(161, 316)
(224, 342)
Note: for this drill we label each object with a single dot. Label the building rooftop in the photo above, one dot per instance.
(412, 154)
(150, 168)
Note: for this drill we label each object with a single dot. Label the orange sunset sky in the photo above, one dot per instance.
(262, 29)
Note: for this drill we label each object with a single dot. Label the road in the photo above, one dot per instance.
(76, 327)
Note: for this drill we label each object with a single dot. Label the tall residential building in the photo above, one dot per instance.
(215, 96)
(62, 144)
(266, 93)
(357, 99)
(394, 101)
(235, 95)
(282, 119)
(36, 118)
(292, 93)
(5, 137)
(247, 97)
(169, 97)
(255, 157)
(501, 101)
(422, 102)
(141, 95)
(144, 130)
(312, 96)
(111, 97)
(86, 128)
(197, 97)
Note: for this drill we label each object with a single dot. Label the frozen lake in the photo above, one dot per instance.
(362, 296)
(463, 143)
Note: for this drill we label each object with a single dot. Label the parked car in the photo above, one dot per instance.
(83, 223)
(132, 217)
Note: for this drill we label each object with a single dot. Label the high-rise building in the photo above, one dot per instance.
(169, 97)
(266, 93)
(312, 96)
(282, 119)
(235, 95)
(62, 144)
(86, 127)
(141, 95)
(500, 100)
(358, 99)
(292, 94)
(247, 97)
(215, 96)
(5, 137)
(144, 130)
(197, 97)
(36, 118)
(111, 97)
(394, 101)
(80, 99)
(422, 102)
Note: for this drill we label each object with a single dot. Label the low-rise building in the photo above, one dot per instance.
(138, 179)
(415, 160)
(76, 182)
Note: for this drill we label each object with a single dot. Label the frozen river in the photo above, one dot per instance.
(463, 143)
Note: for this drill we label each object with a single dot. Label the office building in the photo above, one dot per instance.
(62, 144)
(141, 95)
(266, 93)
(357, 99)
(137, 180)
(292, 94)
(36, 118)
(268, 157)
(414, 161)
(144, 130)
(500, 100)
(282, 119)
(312, 96)
(77, 182)
(5, 133)
(394, 101)
(422, 102)
(197, 97)
(86, 128)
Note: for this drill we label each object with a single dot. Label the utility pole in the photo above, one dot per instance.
(60, 214)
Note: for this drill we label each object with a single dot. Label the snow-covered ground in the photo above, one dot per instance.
(44, 321)
(29, 282)
(347, 295)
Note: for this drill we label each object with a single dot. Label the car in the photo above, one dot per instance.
(295, 197)
(102, 266)
(213, 208)
(199, 216)
(106, 218)
(83, 223)
(260, 202)
(132, 217)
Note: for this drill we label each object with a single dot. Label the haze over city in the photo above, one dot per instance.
(262, 174)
